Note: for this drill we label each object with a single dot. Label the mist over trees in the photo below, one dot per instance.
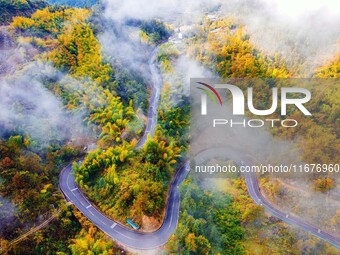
(81, 71)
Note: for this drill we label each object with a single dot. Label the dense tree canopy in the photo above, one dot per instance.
(10, 9)
(125, 183)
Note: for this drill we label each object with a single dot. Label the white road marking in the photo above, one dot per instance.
(74, 189)
(96, 217)
(87, 207)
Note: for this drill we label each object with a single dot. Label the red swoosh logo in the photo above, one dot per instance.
(213, 90)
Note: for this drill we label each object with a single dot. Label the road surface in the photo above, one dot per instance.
(255, 194)
(120, 233)
(154, 99)
(254, 191)
(140, 240)
(116, 231)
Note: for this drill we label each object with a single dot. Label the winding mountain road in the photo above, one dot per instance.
(141, 240)
(255, 194)
(254, 191)
(118, 232)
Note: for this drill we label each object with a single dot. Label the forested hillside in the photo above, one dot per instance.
(90, 87)
(10, 9)
(218, 216)
(87, 86)
(225, 47)
(132, 183)
(93, 106)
